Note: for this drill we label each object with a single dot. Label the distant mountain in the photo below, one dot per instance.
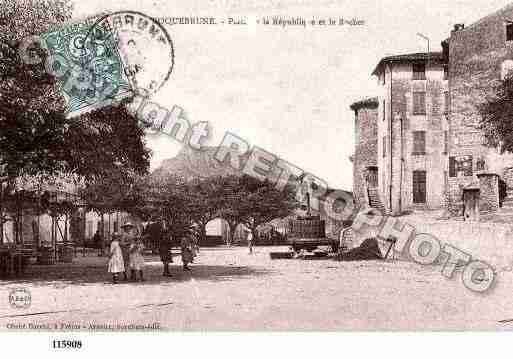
(190, 164)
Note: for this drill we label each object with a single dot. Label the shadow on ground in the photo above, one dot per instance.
(64, 274)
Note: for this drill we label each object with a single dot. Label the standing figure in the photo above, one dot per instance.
(250, 240)
(165, 245)
(136, 259)
(116, 263)
(127, 238)
(98, 242)
(195, 248)
(186, 246)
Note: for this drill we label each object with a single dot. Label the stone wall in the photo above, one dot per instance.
(508, 177)
(366, 151)
(477, 55)
(489, 192)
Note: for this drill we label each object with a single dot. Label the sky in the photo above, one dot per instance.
(288, 90)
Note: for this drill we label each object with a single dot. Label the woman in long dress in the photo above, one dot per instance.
(186, 246)
(116, 263)
(127, 238)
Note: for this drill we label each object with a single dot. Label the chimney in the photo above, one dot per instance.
(459, 27)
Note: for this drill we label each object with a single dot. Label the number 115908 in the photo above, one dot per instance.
(67, 344)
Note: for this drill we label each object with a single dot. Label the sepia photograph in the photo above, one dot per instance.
(223, 166)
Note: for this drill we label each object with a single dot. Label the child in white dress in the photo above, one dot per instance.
(116, 263)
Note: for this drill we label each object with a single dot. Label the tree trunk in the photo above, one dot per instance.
(102, 224)
(203, 233)
(108, 232)
(231, 235)
(1, 212)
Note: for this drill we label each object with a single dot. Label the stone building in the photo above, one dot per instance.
(430, 151)
(411, 132)
(365, 158)
(479, 56)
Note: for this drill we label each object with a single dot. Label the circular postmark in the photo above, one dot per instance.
(20, 298)
(144, 45)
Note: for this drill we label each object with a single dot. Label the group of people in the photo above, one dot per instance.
(126, 254)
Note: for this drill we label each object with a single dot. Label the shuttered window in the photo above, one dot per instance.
(465, 166)
(419, 143)
(419, 71)
(480, 164)
(452, 167)
(460, 165)
(419, 103)
(509, 32)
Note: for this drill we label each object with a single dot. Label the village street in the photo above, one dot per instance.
(228, 289)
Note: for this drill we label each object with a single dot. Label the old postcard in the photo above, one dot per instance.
(251, 165)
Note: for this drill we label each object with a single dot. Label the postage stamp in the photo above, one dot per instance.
(89, 69)
(108, 59)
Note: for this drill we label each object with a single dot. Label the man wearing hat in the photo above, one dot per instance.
(127, 238)
(165, 245)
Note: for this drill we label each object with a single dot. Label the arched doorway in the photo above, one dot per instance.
(217, 232)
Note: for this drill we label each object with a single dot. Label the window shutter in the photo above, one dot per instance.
(452, 167)
(419, 71)
(419, 103)
(419, 142)
(509, 32)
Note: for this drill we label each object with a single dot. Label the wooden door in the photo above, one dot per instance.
(471, 203)
(419, 187)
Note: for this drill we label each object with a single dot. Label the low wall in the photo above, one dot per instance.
(489, 242)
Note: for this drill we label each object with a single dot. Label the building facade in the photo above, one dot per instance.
(479, 57)
(412, 132)
(431, 153)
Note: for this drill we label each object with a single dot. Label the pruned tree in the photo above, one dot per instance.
(204, 203)
(233, 212)
(236, 199)
(262, 203)
(496, 122)
(165, 200)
